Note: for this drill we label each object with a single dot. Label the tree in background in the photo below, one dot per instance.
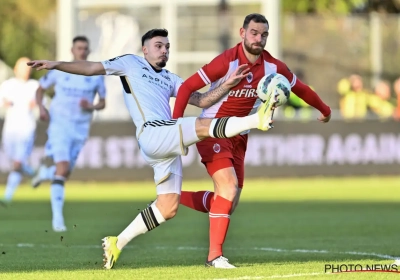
(27, 29)
(341, 6)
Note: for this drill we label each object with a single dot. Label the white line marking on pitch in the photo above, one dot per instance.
(274, 276)
(303, 251)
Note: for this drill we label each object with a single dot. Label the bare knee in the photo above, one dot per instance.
(203, 127)
(62, 169)
(226, 183)
(168, 205)
(17, 166)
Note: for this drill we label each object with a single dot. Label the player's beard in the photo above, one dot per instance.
(161, 64)
(249, 48)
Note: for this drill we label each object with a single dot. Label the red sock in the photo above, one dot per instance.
(200, 201)
(219, 223)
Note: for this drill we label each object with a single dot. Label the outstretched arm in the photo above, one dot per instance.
(209, 98)
(86, 68)
(305, 92)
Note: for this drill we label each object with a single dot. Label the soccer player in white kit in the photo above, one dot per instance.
(17, 94)
(162, 140)
(70, 116)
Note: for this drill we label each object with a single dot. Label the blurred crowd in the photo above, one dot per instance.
(359, 102)
(356, 102)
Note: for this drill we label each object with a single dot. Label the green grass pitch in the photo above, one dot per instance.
(281, 229)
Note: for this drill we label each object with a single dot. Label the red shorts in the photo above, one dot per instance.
(217, 154)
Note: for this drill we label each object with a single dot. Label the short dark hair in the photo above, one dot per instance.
(257, 18)
(80, 38)
(154, 33)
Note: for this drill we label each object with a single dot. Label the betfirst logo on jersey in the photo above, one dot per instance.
(243, 93)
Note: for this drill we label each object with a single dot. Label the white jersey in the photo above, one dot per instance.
(70, 89)
(151, 90)
(19, 118)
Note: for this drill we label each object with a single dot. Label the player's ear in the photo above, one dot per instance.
(144, 49)
(242, 32)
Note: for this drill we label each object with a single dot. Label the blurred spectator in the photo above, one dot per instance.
(380, 102)
(295, 106)
(396, 87)
(355, 100)
(224, 25)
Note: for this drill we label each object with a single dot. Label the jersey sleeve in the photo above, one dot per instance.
(177, 84)
(120, 65)
(101, 88)
(302, 90)
(207, 74)
(48, 80)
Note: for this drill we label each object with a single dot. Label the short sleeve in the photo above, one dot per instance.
(101, 88)
(285, 71)
(120, 65)
(177, 84)
(48, 80)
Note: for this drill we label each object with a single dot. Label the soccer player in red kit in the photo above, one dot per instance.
(224, 158)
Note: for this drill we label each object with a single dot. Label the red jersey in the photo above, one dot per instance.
(242, 99)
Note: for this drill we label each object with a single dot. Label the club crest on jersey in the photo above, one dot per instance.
(249, 77)
(217, 148)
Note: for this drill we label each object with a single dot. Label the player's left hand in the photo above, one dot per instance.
(235, 78)
(43, 64)
(85, 105)
(324, 119)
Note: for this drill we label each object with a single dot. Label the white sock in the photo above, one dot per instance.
(231, 126)
(148, 219)
(57, 198)
(13, 181)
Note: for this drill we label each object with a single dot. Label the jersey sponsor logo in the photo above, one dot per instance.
(243, 93)
(249, 77)
(166, 77)
(145, 68)
(158, 82)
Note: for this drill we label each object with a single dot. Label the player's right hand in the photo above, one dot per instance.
(42, 64)
(235, 78)
(43, 114)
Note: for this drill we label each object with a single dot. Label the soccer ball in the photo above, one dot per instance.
(276, 86)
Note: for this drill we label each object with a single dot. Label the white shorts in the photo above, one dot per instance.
(162, 142)
(63, 145)
(17, 147)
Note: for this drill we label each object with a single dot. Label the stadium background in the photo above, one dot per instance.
(324, 45)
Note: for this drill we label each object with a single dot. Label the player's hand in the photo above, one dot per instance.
(235, 78)
(324, 119)
(43, 64)
(85, 105)
(43, 114)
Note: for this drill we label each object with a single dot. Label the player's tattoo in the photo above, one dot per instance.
(209, 98)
